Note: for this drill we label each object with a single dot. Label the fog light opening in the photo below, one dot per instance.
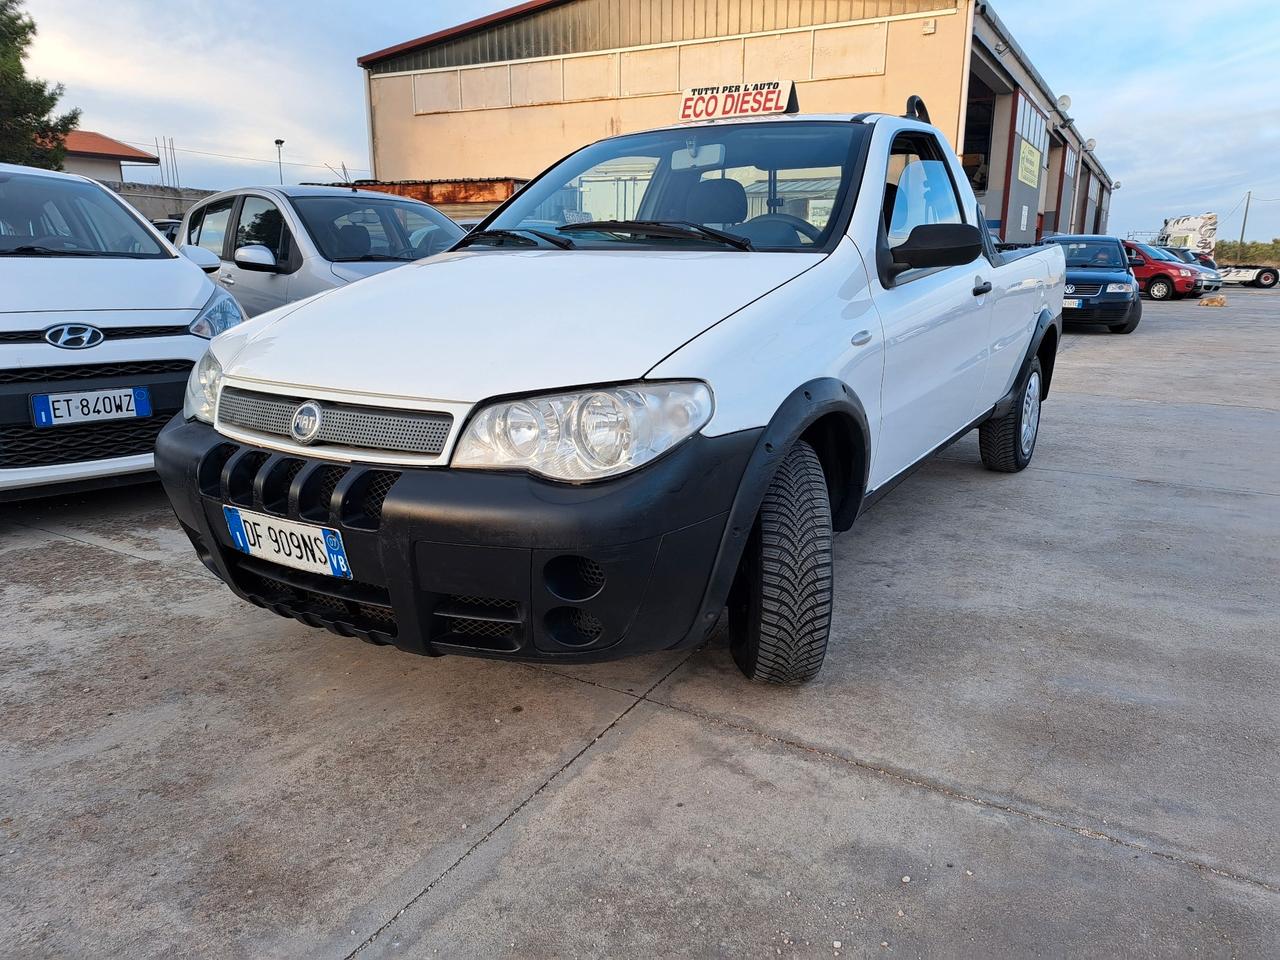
(573, 626)
(575, 579)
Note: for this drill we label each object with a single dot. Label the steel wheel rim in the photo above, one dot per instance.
(1160, 291)
(1030, 414)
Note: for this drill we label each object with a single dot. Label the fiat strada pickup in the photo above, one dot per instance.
(648, 388)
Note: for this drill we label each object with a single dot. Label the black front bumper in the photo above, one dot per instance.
(474, 562)
(1100, 311)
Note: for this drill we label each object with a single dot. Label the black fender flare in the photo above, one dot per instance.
(1045, 322)
(804, 407)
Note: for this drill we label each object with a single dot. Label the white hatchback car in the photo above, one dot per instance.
(100, 323)
(281, 244)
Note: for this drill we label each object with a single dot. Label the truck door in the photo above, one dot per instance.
(936, 321)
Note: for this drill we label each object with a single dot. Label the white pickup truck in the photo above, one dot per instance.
(649, 387)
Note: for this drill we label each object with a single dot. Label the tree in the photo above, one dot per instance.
(29, 132)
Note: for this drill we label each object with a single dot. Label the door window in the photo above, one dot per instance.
(918, 188)
(261, 222)
(211, 231)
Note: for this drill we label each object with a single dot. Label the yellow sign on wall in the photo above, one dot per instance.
(1029, 165)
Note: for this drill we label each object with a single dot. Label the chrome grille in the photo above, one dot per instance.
(346, 425)
(1085, 289)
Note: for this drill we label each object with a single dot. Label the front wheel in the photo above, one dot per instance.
(1160, 289)
(780, 605)
(1131, 324)
(1007, 444)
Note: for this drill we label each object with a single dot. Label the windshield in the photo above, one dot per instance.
(1156, 253)
(356, 227)
(1092, 253)
(1182, 255)
(777, 186)
(55, 217)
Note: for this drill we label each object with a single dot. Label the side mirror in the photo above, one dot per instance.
(938, 245)
(255, 256)
(202, 258)
(1136, 262)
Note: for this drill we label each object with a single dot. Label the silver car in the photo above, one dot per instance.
(280, 244)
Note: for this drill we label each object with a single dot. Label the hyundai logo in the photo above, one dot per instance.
(1071, 288)
(305, 426)
(74, 336)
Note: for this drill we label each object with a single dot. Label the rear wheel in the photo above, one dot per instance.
(1266, 279)
(1161, 288)
(780, 605)
(1008, 443)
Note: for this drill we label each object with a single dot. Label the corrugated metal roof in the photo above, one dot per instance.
(548, 28)
(818, 185)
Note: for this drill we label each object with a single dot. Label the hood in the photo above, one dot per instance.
(70, 284)
(475, 324)
(1102, 275)
(359, 269)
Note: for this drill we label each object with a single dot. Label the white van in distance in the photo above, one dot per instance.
(652, 385)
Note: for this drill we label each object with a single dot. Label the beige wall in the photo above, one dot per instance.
(95, 167)
(514, 119)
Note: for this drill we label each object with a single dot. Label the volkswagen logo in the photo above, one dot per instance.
(74, 336)
(305, 426)
(1071, 288)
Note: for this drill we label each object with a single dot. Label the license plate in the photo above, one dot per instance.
(120, 403)
(298, 545)
(1072, 304)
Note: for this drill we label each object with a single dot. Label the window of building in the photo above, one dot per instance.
(1033, 127)
(1069, 162)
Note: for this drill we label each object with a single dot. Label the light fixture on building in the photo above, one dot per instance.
(1001, 48)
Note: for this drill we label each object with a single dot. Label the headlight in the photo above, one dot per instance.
(219, 314)
(585, 435)
(202, 389)
(1185, 273)
(1119, 288)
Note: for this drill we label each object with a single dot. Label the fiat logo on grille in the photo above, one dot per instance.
(305, 426)
(1071, 288)
(74, 336)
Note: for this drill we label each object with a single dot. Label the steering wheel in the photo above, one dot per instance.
(802, 227)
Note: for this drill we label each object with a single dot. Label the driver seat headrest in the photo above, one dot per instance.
(717, 201)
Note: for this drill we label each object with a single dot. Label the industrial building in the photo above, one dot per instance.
(506, 95)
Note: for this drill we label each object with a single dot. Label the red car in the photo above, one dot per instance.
(1160, 275)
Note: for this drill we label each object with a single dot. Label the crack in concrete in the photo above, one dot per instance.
(991, 803)
(642, 698)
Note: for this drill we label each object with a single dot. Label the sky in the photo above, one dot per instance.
(1183, 96)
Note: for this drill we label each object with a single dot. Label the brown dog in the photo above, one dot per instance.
(1217, 300)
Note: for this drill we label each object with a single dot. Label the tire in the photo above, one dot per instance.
(1266, 279)
(780, 605)
(1161, 288)
(1008, 444)
(1130, 325)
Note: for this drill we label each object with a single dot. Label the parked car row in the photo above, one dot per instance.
(102, 319)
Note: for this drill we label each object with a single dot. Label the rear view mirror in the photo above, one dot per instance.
(698, 157)
(202, 258)
(255, 256)
(938, 245)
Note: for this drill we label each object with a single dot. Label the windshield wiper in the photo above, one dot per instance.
(669, 229)
(34, 249)
(564, 243)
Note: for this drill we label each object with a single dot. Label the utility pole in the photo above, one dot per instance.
(1243, 223)
(279, 161)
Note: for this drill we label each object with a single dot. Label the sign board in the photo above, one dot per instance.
(737, 100)
(1029, 165)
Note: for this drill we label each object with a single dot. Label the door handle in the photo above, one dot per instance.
(861, 338)
(228, 279)
(981, 286)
